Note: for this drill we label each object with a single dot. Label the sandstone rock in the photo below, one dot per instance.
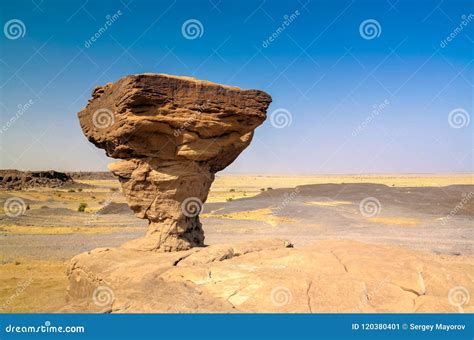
(265, 276)
(172, 134)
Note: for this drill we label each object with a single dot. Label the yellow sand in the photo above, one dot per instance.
(232, 186)
(256, 182)
(32, 286)
(264, 215)
(28, 230)
(400, 221)
(225, 196)
(251, 185)
(101, 183)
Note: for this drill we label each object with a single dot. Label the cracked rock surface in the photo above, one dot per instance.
(172, 135)
(266, 276)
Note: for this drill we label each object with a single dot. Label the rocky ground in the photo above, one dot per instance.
(21, 180)
(269, 276)
(415, 229)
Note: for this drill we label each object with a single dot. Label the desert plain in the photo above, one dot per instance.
(274, 243)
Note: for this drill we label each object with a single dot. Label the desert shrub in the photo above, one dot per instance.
(80, 189)
(113, 189)
(262, 189)
(71, 190)
(269, 188)
(82, 207)
(28, 207)
(229, 199)
(232, 190)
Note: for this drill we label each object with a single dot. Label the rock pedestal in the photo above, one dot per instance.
(264, 276)
(172, 134)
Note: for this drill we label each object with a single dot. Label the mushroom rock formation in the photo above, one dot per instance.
(172, 135)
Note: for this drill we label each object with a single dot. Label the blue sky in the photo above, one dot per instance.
(357, 105)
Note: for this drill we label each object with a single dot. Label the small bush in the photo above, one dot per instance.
(230, 199)
(269, 188)
(71, 190)
(80, 189)
(113, 189)
(262, 189)
(82, 207)
(232, 190)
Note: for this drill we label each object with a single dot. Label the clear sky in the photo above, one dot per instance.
(369, 85)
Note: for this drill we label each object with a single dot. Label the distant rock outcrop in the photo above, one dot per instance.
(19, 180)
(91, 175)
(172, 134)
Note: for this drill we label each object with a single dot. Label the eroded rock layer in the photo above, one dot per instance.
(21, 180)
(266, 276)
(172, 134)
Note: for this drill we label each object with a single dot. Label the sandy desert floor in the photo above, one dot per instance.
(423, 214)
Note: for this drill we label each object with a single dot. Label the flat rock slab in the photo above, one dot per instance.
(266, 276)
